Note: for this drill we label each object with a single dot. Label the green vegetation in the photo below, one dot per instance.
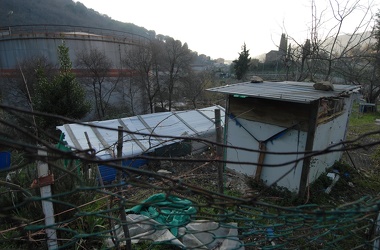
(21, 209)
(241, 65)
(340, 219)
(63, 95)
(61, 12)
(358, 187)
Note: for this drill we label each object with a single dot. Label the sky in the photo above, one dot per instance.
(219, 28)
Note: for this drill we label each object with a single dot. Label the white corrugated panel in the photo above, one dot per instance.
(144, 130)
(201, 120)
(142, 139)
(166, 124)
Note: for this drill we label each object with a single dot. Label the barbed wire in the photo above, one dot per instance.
(88, 214)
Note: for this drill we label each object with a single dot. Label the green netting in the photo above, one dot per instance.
(182, 208)
(170, 211)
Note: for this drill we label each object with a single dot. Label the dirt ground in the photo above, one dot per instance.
(192, 174)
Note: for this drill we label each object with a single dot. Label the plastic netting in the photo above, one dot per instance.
(179, 208)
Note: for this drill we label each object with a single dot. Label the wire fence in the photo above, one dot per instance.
(169, 203)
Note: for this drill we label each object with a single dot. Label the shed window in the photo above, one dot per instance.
(331, 107)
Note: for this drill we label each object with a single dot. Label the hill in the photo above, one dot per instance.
(60, 12)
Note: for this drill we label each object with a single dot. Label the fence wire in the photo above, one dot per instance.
(178, 208)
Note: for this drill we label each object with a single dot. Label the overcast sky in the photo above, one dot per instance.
(218, 28)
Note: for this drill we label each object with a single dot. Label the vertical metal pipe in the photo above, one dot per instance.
(219, 149)
(123, 216)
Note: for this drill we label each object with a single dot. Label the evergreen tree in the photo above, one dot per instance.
(63, 95)
(241, 65)
(283, 45)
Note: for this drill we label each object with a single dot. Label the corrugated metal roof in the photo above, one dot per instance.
(103, 134)
(300, 92)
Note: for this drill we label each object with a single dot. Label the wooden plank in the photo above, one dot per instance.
(284, 114)
(105, 144)
(260, 162)
(122, 123)
(72, 136)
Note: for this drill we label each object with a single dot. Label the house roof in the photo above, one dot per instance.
(103, 135)
(299, 92)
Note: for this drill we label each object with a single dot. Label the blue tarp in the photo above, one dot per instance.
(5, 160)
(108, 173)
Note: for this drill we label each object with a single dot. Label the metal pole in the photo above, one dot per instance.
(47, 206)
(123, 217)
(219, 149)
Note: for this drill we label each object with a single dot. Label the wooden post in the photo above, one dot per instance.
(260, 163)
(219, 149)
(312, 126)
(47, 206)
(123, 217)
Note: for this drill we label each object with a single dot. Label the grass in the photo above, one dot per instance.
(357, 185)
(332, 232)
(361, 123)
(365, 181)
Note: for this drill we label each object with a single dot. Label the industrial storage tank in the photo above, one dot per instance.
(18, 43)
(22, 43)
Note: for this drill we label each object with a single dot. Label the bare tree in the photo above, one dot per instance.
(305, 53)
(22, 87)
(373, 68)
(319, 57)
(130, 93)
(96, 66)
(194, 86)
(20, 91)
(140, 61)
(341, 12)
(176, 64)
(157, 48)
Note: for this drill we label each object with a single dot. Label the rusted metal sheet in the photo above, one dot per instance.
(299, 92)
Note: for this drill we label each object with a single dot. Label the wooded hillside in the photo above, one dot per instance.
(60, 12)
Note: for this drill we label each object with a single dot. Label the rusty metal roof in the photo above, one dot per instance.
(299, 92)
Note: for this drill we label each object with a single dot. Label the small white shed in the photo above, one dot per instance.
(284, 117)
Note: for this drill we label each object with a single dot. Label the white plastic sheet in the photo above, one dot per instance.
(200, 234)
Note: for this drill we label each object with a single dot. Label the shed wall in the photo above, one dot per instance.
(288, 171)
(327, 134)
(292, 140)
(256, 120)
